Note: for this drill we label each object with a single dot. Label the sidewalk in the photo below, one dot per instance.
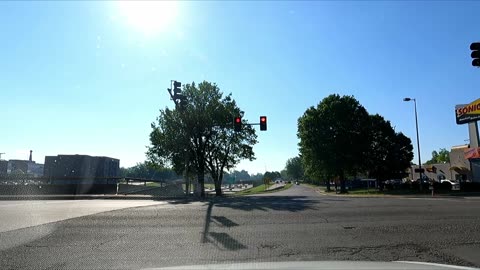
(86, 197)
(275, 186)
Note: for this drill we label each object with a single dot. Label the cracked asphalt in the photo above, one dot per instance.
(296, 224)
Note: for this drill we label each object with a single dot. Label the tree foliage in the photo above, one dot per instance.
(272, 175)
(148, 171)
(442, 156)
(339, 138)
(390, 152)
(199, 137)
(294, 168)
(332, 139)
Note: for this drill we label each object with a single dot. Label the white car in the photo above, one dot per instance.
(455, 185)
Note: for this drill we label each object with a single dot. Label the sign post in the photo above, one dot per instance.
(470, 114)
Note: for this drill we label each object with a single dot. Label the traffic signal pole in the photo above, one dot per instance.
(180, 102)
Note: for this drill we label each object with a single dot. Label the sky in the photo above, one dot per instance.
(89, 77)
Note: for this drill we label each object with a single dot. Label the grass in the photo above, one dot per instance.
(370, 191)
(153, 184)
(261, 189)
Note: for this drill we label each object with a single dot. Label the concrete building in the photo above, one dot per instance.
(25, 166)
(75, 168)
(3, 167)
(17, 166)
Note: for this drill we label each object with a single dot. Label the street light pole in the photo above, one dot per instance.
(418, 139)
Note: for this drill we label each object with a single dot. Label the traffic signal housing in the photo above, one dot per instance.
(177, 90)
(237, 124)
(263, 123)
(475, 47)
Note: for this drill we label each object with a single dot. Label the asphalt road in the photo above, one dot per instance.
(296, 224)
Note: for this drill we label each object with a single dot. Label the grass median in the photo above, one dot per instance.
(376, 192)
(261, 190)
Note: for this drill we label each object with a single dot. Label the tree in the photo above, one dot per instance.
(333, 137)
(390, 153)
(148, 171)
(442, 156)
(294, 168)
(199, 137)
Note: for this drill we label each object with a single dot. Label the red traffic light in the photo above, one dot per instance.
(263, 123)
(237, 124)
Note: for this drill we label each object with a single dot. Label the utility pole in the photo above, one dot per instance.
(180, 102)
(418, 140)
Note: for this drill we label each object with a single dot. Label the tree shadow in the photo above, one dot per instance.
(223, 240)
(225, 222)
(226, 241)
(220, 240)
(265, 203)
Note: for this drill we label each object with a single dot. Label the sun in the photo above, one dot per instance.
(148, 17)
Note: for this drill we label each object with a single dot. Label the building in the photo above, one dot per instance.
(463, 165)
(3, 167)
(25, 166)
(17, 166)
(75, 168)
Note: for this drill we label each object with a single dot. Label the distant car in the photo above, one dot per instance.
(296, 183)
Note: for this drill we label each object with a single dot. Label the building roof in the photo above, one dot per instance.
(460, 146)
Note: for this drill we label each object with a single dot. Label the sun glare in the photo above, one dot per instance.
(149, 17)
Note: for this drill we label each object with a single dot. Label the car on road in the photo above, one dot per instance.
(455, 184)
(296, 183)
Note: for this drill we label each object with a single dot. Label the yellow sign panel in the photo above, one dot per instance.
(468, 113)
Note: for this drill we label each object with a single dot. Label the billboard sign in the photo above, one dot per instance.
(466, 113)
(472, 153)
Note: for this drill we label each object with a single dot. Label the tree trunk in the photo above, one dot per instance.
(218, 187)
(217, 180)
(201, 179)
(343, 188)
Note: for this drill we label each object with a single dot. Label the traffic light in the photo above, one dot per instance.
(263, 123)
(177, 90)
(237, 124)
(475, 47)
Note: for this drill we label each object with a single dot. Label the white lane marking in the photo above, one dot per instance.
(446, 266)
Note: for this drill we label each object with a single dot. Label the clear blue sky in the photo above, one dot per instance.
(88, 77)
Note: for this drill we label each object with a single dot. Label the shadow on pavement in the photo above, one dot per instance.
(223, 240)
(227, 241)
(265, 203)
(219, 239)
(225, 222)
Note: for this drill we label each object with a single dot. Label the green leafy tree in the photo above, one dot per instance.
(442, 156)
(333, 137)
(199, 137)
(145, 170)
(294, 168)
(390, 153)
